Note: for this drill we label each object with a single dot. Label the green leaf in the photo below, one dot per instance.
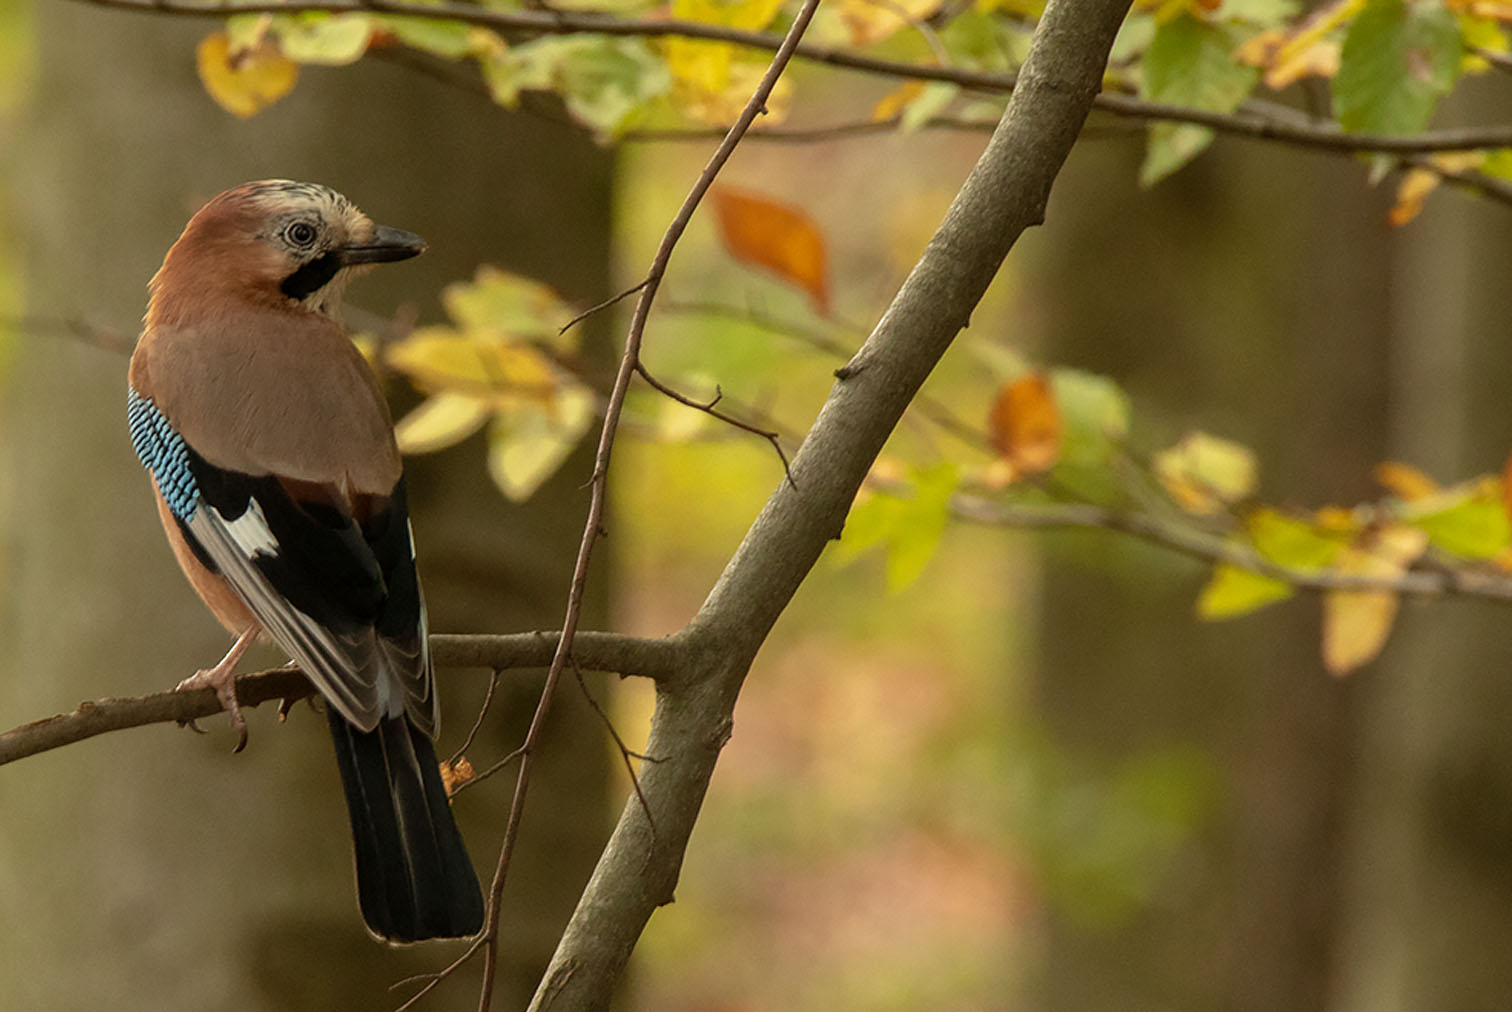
(450, 40)
(1191, 63)
(605, 81)
(909, 525)
(1472, 525)
(1234, 591)
(1290, 542)
(922, 523)
(330, 39)
(978, 40)
(1169, 147)
(1133, 39)
(1498, 163)
(1095, 421)
(1396, 62)
(515, 70)
(1094, 408)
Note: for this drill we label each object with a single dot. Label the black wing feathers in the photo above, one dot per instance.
(388, 536)
(324, 565)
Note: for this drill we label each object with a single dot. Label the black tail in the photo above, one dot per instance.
(414, 878)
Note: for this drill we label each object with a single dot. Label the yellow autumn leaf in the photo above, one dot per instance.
(871, 21)
(700, 68)
(440, 421)
(1357, 622)
(1025, 424)
(895, 101)
(1260, 49)
(367, 346)
(1420, 181)
(1413, 189)
(244, 81)
(722, 106)
(439, 358)
(1204, 473)
(711, 80)
(1292, 64)
(1311, 49)
(783, 239)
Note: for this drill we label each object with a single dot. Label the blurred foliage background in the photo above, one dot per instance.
(1019, 775)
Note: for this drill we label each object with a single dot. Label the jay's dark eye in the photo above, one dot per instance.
(301, 234)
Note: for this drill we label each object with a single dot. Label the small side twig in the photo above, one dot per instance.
(626, 754)
(709, 408)
(502, 764)
(493, 686)
(579, 318)
(434, 978)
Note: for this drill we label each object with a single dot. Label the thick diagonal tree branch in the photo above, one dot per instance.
(1005, 194)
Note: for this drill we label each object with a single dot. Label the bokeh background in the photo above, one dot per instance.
(1030, 779)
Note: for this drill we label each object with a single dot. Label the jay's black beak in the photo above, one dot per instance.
(386, 246)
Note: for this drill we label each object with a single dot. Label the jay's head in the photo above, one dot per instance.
(272, 242)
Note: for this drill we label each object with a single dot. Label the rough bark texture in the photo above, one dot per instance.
(1004, 194)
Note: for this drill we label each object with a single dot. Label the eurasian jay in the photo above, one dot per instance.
(282, 493)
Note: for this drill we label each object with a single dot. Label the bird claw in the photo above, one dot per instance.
(223, 681)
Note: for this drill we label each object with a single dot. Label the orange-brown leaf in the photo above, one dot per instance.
(1026, 424)
(775, 236)
(454, 775)
(244, 81)
(1404, 481)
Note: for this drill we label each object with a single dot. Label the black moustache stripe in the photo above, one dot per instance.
(312, 277)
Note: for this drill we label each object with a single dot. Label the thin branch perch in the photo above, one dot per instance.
(597, 651)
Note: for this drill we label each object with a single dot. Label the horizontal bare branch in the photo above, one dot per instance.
(1413, 583)
(1256, 119)
(599, 651)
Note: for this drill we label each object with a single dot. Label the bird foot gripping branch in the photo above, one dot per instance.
(282, 493)
(222, 678)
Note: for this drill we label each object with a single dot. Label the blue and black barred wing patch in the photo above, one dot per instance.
(163, 452)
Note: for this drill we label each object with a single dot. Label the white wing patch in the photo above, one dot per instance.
(250, 532)
(353, 672)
